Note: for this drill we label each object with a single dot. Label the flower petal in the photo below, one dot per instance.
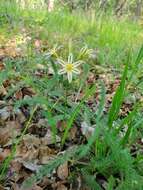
(77, 63)
(70, 58)
(83, 50)
(76, 71)
(61, 71)
(61, 62)
(69, 77)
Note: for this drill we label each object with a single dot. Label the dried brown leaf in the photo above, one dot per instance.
(1, 187)
(62, 187)
(18, 95)
(11, 131)
(45, 154)
(63, 171)
(4, 154)
(48, 139)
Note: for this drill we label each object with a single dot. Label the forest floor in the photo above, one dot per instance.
(86, 134)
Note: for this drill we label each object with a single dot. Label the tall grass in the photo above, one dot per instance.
(111, 36)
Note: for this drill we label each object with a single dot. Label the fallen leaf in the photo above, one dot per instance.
(31, 166)
(34, 187)
(18, 95)
(62, 187)
(31, 140)
(4, 154)
(62, 171)
(15, 186)
(11, 52)
(11, 131)
(28, 149)
(16, 166)
(5, 113)
(20, 116)
(1, 187)
(28, 91)
(72, 133)
(2, 53)
(3, 91)
(87, 130)
(48, 139)
(47, 180)
(2, 66)
(45, 154)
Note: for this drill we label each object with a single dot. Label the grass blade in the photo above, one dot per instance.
(88, 93)
(138, 60)
(118, 99)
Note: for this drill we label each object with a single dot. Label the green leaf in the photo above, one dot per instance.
(138, 60)
(118, 99)
(90, 180)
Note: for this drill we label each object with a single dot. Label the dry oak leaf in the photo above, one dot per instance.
(11, 131)
(15, 186)
(1, 187)
(46, 181)
(48, 139)
(45, 154)
(2, 66)
(63, 171)
(29, 148)
(20, 176)
(4, 154)
(11, 52)
(5, 113)
(18, 95)
(72, 133)
(62, 187)
(3, 91)
(2, 55)
(20, 116)
(31, 166)
(34, 187)
(16, 166)
(28, 91)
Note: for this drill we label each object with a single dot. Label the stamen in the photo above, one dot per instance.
(69, 67)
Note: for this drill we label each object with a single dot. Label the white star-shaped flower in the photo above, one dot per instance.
(69, 67)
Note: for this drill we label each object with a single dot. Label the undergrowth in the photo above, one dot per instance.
(107, 159)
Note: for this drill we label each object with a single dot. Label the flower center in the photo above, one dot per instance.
(69, 67)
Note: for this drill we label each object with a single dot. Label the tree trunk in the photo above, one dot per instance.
(120, 8)
(138, 10)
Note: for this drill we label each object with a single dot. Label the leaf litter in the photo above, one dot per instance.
(37, 147)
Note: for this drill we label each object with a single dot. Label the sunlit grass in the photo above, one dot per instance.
(113, 37)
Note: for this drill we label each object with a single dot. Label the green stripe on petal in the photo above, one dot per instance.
(70, 58)
(61, 62)
(77, 63)
(76, 71)
(61, 71)
(69, 77)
